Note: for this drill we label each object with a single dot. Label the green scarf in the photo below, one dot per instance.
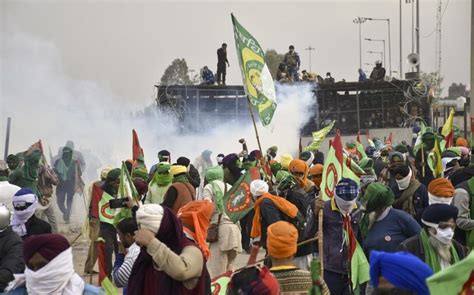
(181, 178)
(31, 165)
(248, 165)
(13, 162)
(64, 164)
(431, 257)
(376, 196)
(213, 175)
(160, 178)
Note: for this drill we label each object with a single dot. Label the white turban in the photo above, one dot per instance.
(20, 217)
(149, 216)
(258, 187)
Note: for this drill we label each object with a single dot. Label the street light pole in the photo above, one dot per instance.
(309, 48)
(377, 52)
(401, 47)
(360, 20)
(389, 42)
(418, 33)
(383, 41)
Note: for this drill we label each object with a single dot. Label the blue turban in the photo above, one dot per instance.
(401, 269)
(347, 189)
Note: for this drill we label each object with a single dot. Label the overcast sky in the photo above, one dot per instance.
(125, 46)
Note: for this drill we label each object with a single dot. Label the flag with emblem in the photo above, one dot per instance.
(319, 136)
(238, 200)
(126, 190)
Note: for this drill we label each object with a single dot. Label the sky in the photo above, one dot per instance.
(125, 46)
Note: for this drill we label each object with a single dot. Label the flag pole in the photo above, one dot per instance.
(263, 160)
(320, 242)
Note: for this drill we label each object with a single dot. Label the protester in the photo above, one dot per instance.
(221, 64)
(341, 209)
(11, 250)
(50, 269)
(46, 179)
(462, 142)
(435, 244)
(207, 76)
(181, 191)
(7, 190)
(124, 261)
(219, 159)
(329, 79)
(65, 168)
(362, 75)
(464, 201)
(24, 221)
(398, 273)
(253, 280)
(411, 196)
(316, 176)
(292, 62)
(192, 173)
(227, 246)
(232, 168)
(378, 72)
(163, 156)
(169, 262)
(268, 210)
(107, 230)
(27, 175)
(203, 162)
(386, 177)
(161, 181)
(13, 162)
(95, 192)
(383, 227)
(281, 246)
(282, 74)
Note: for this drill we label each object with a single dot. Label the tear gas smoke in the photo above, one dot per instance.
(46, 104)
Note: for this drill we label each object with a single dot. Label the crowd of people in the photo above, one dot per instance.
(410, 223)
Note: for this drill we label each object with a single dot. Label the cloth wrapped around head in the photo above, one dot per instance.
(258, 187)
(316, 174)
(24, 203)
(196, 216)
(300, 167)
(48, 245)
(282, 238)
(436, 213)
(214, 173)
(377, 196)
(149, 216)
(104, 172)
(177, 169)
(440, 190)
(403, 270)
(285, 160)
(462, 142)
(253, 280)
(140, 173)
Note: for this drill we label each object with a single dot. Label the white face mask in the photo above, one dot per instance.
(404, 182)
(345, 207)
(444, 235)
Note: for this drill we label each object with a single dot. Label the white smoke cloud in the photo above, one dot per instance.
(45, 103)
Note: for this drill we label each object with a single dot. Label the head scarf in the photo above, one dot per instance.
(258, 187)
(104, 172)
(144, 278)
(65, 164)
(299, 166)
(253, 280)
(179, 173)
(213, 175)
(308, 157)
(56, 277)
(275, 167)
(162, 176)
(20, 217)
(13, 161)
(140, 173)
(219, 158)
(31, 165)
(401, 148)
(440, 190)
(149, 216)
(345, 194)
(230, 162)
(377, 196)
(285, 160)
(140, 185)
(395, 157)
(110, 181)
(196, 216)
(436, 213)
(183, 161)
(401, 269)
(164, 156)
(462, 142)
(281, 239)
(316, 170)
(206, 155)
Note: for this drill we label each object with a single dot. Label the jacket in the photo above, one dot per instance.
(11, 256)
(178, 195)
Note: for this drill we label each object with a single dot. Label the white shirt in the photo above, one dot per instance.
(7, 191)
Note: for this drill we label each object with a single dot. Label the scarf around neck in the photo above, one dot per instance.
(431, 256)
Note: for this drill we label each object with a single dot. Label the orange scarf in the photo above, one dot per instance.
(282, 204)
(196, 216)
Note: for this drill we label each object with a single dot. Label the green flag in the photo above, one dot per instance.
(258, 82)
(238, 201)
(456, 279)
(126, 189)
(319, 136)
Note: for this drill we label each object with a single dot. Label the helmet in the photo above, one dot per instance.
(4, 216)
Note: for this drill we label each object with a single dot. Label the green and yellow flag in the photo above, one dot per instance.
(319, 136)
(456, 279)
(258, 82)
(126, 189)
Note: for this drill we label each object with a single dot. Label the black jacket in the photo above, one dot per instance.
(11, 256)
(461, 175)
(414, 246)
(36, 226)
(193, 176)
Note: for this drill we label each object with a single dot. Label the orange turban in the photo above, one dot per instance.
(316, 170)
(299, 166)
(281, 239)
(196, 216)
(462, 142)
(440, 190)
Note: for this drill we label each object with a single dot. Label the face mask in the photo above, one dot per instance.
(444, 235)
(404, 182)
(345, 207)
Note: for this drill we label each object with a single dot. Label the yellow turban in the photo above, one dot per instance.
(282, 238)
(285, 160)
(177, 169)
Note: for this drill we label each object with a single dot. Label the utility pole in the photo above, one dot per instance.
(471, 107)
(309, 48)
(418, 34)
(401, 47)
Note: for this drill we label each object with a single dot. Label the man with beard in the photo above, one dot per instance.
(435, 244)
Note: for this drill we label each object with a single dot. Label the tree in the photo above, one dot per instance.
(273, 60)
(176, 73)
(456, 90)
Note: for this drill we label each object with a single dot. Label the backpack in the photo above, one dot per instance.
(304, 221)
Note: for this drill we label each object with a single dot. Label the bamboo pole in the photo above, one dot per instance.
(320, 242)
